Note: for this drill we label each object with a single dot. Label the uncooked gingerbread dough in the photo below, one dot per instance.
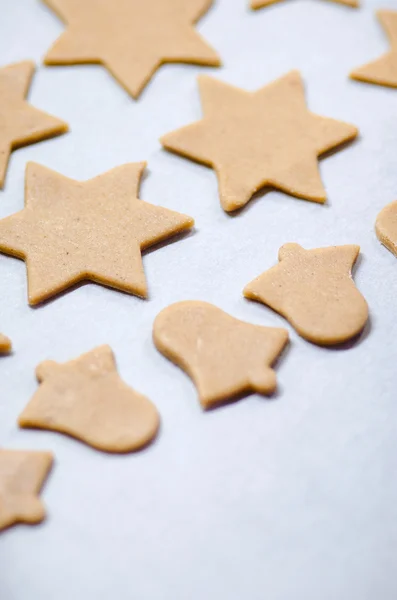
(131, 38)
(22, 474)
(382, 71)
(85, 398)
(315, 291)
(20, 123)
(5, 344)
(258, 139)
(386, 227)
(71, 231)
(224, 356)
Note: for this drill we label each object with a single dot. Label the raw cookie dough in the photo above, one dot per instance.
(315, 291)
(224, 356)
(86, 399)
(382, 71)
(131, 38)
(258, 139)
(386, 227)
(20, 123)
(261, 3)
(5, 344)
(70, 231)
(22, 475)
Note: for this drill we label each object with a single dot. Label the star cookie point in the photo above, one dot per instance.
(383, 70)
(23, 124)
(22, 475)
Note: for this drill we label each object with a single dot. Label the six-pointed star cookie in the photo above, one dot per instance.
(382, 71)
(261, 3)
(71, 231)
(263, 138)
(22, 474)
(131, 38)
(20, 123)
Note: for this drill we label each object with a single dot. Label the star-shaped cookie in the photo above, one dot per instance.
(255, 4)
(258, 139)
(20, 123)
(70, 231)
(131, 38)
(382, 71)
(5, 344)
(22, 474)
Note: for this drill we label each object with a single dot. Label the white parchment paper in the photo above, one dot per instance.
(289, 498)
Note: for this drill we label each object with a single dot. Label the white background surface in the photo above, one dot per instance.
(290, 498)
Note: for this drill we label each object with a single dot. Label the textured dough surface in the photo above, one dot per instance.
(5, 344)
(22, 474)
(261, 3)
(20, 123)
(258, 139)
(223, 355)
(71, 231)
(85, 398)
(131, 38)
(314, 290)
(386, 227)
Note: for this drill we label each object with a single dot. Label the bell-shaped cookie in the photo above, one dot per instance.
(386, 227)
(224, 356)
(85, 398)
(315, 291)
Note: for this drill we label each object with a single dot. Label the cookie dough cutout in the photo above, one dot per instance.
(5, 344)
(386, 227)
(72, 231)
(256, 4)
(21, 123)
(22, 475)
(315, 291)
(225, 357)
(86, 399)
(382, 71)
(259, 139)
(131, 38)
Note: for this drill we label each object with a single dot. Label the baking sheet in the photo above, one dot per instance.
(289, 497)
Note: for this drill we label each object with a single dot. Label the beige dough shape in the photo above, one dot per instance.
(224, 356)
(86, 399)
(256, 4)
(131, 38)
(386, 227)
(22, 475)
(382, 71)
(5, 344)
(20, 123)
(71, 231)
(315, 291)
(259, 139)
